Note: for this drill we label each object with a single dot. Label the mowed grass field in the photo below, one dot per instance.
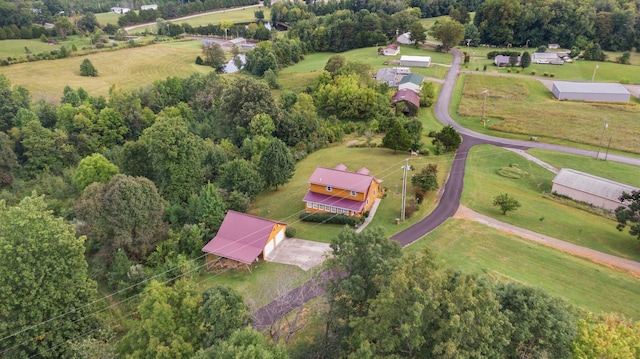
(539, 214)
(286, 204)
(474, 248)
(16, 48)
(302, 74)
(579, 70)
(525, 107)
(125, 69)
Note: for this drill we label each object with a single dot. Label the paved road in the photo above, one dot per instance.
(450, 199)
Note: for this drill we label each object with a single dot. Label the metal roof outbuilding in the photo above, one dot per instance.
(590, 91)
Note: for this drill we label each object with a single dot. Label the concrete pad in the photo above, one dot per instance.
(299, 252)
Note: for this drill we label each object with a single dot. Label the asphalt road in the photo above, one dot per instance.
(450, 199)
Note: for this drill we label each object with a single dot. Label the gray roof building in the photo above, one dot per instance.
(585, 187)
(590, 91)
(392, 75)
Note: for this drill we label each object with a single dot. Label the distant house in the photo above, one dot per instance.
(412, 82)
(120, 10)
(391, 50)
(584, 187)
(336, 190)
(415, 61)
(149, 7)
(392, 75)
(553, 46)
(244, 238)
(504, 61)
(590, 91)
(405, 39)
(546, 58)
(406, 102)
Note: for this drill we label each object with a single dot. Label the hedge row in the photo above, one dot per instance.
(492, 54)
(332, 218)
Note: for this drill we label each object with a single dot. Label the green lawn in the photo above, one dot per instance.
(474, 248)
(539, 214)
(16, 48)
(525, 107)
(612, 170)
(302, 74)
(579, 70)
(105, 18)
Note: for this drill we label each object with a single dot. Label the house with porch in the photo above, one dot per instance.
(336, 190)
(243, 238)
(412, 82)
(391, 50)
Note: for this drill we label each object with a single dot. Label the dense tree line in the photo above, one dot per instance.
(614, 26)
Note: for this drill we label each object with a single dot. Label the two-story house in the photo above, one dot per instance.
(336, 190)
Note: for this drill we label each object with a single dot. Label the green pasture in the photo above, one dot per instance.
(16, 48)
(521, 108)
(105, 18)
(126, 69)
(539, 214)
(301, 75)
(475, 248)
(615, 171)
(236, 15)
(578, 70)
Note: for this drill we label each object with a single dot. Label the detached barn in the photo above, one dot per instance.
(590, 91)
(415, 61)
(244, 238)
(588, 188)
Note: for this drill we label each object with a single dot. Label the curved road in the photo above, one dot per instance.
(450, 199)
(449, 202)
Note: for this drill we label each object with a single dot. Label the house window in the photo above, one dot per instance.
(315, 206)
(329, 188)
(322, 207)
(308, 204)
(374, 192)
(353, 193)
(367, 200)
(339, 210)
(333, 209)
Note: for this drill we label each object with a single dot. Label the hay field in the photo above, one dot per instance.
(527, 107)
(127, 69)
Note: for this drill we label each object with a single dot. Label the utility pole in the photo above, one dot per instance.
(609, 145)
(404, 189)
(484, 106)
(601, 137)
(594, 73)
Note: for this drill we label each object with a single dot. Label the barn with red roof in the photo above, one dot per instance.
(244, 238)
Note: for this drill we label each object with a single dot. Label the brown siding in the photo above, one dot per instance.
(338, 192)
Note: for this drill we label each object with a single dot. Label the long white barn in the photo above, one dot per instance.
(585, 187)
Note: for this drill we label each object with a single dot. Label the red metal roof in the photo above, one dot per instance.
(351, 181)
(406, 95)
(241, 237)
(350, 204)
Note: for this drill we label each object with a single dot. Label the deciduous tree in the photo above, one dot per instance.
(418, 33)
(87, 69)
(397, 137)
(44, 285)
(94, 168)
(629, 214)
(607, 336)
(449, 32)
(241, 176)
(276, 164)
(8, 160)
(506, 203)
(223, 311)
(244, 343)
(447, 140)
(214, 55)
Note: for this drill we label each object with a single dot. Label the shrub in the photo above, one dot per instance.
(87, 69)
(546, 74)
(290, 232)
(331, 218)
(199, 60)
(484, 68)
(625, 81)
(552, 75)
(432, 133)
(533, 72)
(508, 71)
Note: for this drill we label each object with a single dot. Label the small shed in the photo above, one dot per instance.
(243, 238)
(407, 102)
(585, 187)
(503, 61)
(149, 7)
(412, 82)
(415, 61)
(391, 50)
(590, 91)
(120, 10)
